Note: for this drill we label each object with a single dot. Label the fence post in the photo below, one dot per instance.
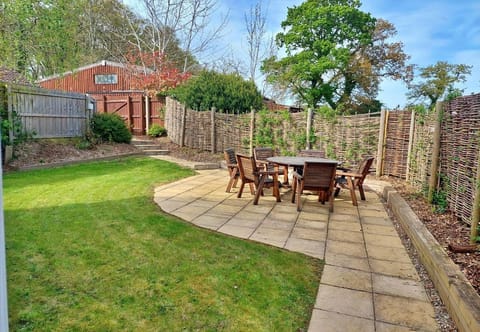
(105, 104)
(147, 114)
(88, 112)
(183, 123)
(252, 130)
(3, 260)
(476, 207)
(213, 136)
(129, 113)
(381, 143)
(10, 113)
(432, 184)
(309, 128)
(410, 143)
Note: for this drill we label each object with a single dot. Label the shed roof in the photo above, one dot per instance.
(93, 65)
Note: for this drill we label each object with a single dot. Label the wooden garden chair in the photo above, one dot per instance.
(232, 167)
(355, 179)
(261, 154)
(316, 176)
(256, 178)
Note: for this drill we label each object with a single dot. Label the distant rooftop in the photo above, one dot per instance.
(11, 76)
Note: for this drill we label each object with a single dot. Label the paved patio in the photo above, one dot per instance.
(368, 283)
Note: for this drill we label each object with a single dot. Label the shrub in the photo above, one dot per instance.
(156, 130)
(84, 144)
(110, 128)
(226, 92)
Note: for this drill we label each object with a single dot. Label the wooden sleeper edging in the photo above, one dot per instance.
(458, 295)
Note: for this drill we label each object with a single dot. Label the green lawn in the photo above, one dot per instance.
(89, 250)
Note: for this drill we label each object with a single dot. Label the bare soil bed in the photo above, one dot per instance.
(51, 151)
(447, 230)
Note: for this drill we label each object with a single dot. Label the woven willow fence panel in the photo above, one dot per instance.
(173, 120)
(459, 153)
(396, 144)
(284, 131)
(421, 154)
(231, 130)
(348, 138)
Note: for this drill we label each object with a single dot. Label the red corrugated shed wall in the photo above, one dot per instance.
(82, 80)
(119, 98)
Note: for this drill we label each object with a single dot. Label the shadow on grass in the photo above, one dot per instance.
(110, 265)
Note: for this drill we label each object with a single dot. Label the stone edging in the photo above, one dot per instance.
(458, 295)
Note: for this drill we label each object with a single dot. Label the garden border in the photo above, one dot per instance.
(77, 161)
(458, 295)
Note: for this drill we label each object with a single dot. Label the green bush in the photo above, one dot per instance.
(84, 144)
(110, 128)
(156, 130)
(225, 92)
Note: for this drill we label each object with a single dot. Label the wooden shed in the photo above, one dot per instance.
(109, 83)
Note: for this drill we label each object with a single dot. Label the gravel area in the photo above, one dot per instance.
(442, 316)
(446, 229)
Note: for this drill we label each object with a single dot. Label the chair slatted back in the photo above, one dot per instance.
(229, 155)
(311, 153)
(248, 168)
(364, 169)
(319, 175)
(262, 153)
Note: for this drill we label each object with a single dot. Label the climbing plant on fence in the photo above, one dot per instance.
(347, 138)
(281, 130)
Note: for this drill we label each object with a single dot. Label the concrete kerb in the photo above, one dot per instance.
(458, 295)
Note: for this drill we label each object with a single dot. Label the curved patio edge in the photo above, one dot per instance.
(458, 295)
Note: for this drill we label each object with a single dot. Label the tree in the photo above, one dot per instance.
(335, 54)
(225, 92)
(439, 82)
(155, 75)
(255, 23)
(38, 37)
(179, 29)
(41, 38)
(103, 33)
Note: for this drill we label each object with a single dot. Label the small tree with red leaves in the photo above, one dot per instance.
(153, 73)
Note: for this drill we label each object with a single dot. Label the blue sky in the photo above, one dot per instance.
(431, 31)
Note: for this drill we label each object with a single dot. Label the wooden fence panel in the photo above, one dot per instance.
(132, 108)
(48, 113)
(348, 138)
(174, 121)
(232, 130)
(459, 154)
(421, 153)
(157, 111)
(397, 142)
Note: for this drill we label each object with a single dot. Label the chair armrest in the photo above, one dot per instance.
(353, 175)
(343, 169)
(267, 172)
(297, 175)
